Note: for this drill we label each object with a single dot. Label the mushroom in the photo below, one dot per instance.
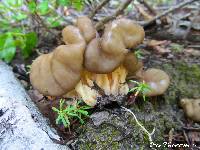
(132, 64)
(74, 70)
(103, 59)
(86, 27)
(113, 83)
(59, 72)
(106, 54)
(191, 108)
(158, 81)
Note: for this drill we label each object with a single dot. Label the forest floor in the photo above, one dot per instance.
(113, 128)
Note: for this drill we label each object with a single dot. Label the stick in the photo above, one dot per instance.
(148, 6)
(169, 11)
(119, 11)
(94, 11)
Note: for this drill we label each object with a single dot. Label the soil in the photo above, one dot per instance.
(117, 129)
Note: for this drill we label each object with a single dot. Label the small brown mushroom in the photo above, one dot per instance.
(158, 81)
(132, 64)
(191, 108)
(106, 54)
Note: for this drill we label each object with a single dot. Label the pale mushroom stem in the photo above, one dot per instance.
(111, 84)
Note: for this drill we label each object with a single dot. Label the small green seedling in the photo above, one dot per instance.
(138, 54)
(141, 87)
(67, 113)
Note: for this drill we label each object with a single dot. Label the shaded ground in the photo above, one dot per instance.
(115, 129)
(120, 131)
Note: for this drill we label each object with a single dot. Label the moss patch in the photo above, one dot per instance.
(121, 130)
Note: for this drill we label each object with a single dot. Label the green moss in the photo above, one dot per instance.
(185, 81)
(121, 130)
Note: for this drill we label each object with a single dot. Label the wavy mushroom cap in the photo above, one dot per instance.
(67, 64)
(98, 62)
(108, 53)
(41, 76)
(158, 81)
(86, 27)
(132, 33)
(56, 73)
(72, 35)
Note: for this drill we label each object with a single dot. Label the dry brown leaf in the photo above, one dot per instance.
(161, 50)
(153, 43)
(144, 13)
(192, 52)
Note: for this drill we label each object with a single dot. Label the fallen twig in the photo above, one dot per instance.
(169, 11)
(143, 128)
(148, 6)
(94, 11)
(186, 137)
(119, 11)
(191, 129)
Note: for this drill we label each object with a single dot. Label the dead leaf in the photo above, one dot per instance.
(154, 43)
(161, 50)
(144, 13)
(192, 52)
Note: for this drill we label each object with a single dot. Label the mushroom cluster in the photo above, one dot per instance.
(87, 60)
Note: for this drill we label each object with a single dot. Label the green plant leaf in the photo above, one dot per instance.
(30, 43)
(133, 89)
(85, 107)
(54, 22)
(2, 41)
(134, 81)
(72, 114)
(43, 7)
(78, 4)
(66, 122)
(32, 6)
(20, 16)
(58, 119)
(83, 112)
(7, 47)
(55, 109)
(14, 3)
(63, 2)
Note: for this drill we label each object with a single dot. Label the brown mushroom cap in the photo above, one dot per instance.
(41, 76)
(67, 65)
(98, 62)
(158, 81)
(132, 64)
(191, 108)
(131, 33)
(108, 53)
(58, 72)
(72, 35)
(86, 27)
